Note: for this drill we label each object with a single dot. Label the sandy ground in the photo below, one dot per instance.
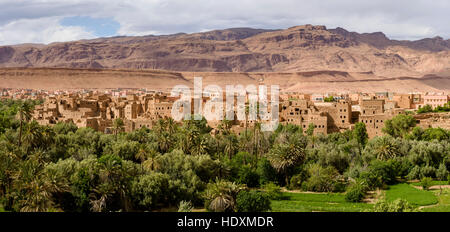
(306, 82)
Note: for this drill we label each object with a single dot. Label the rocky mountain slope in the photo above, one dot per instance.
(297, 49)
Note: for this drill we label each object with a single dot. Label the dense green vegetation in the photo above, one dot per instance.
(184, 166)
(429, 109)
(329, 99)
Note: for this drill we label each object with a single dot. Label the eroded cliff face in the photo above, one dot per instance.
(297, 49)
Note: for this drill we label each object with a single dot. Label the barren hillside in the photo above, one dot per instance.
(307, 82)
(298, 49)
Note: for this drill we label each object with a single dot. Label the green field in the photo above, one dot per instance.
(307, 202)
(414, 196)
(444, 202)
(429, 201)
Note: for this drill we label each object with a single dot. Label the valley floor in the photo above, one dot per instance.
(426, 201)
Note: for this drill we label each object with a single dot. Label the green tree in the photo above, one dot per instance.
(399, 126)
(252, 201)
(118, 126)
(221, 196)
(24, 114)
(287, 153)
(425, 109)
(310, 130)
(329, 99)
(361, 136)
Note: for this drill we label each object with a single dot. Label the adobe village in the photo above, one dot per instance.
(327, 113)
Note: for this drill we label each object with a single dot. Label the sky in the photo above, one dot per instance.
(47, 21)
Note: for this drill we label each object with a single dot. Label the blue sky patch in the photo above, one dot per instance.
(101, 27)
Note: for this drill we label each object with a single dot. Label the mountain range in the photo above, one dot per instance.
(305, 48)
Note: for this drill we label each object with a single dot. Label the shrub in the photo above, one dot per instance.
(297, 181)
(397, 206)
(242, 158)
(221, 196)
(356, 192)
(414, 173)
(426, 183)
(185, 207)
(266, 172)
(273, 191)
(126, 150)
(385, 170)
(208, 169)
(323, 180)
(185, 184)
(151, 190)
(252, 201)
(380, 174)
(402, 166)
(248, 176)
(425, 109)
(428, 171)
(442, 172)
(373, 181)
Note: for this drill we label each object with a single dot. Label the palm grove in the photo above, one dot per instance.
(183, 166)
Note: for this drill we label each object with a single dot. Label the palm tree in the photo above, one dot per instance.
(287, 154)
(230, 145)
(118, 126)
(9, 167)
(38, 186)
(99, 204)
(48, 135)
(24, 113)
(33, 136)
(147, 154)
(171, 126)
(245, 143)
(200, 146)
(165, 142)
(225, 127)
(113, 184)
(258, 141)
(222, 195)
(247, 111)
(160, 126)
(386, 148)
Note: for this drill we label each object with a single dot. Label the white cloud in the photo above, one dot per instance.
(401, 19)
(42, 30)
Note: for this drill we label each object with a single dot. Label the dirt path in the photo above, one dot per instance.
(372, 196)
(434, 187)
(428, 206)
(284, 190)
